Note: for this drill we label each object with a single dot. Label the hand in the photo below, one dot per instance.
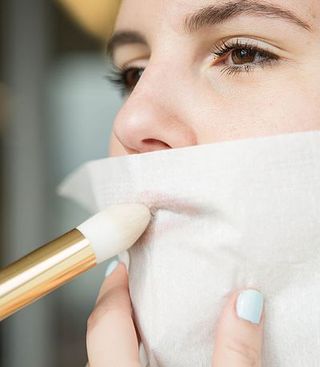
(112, 339)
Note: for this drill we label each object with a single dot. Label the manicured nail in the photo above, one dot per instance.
(249, 305)
(111, 266)
(143, 356)
(125, 258)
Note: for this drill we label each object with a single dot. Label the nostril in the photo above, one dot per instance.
(154, 144)
(152, 141)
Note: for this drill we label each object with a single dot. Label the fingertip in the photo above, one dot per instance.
(125, 258)
(115, 276)
(245, 305)
(143, 355)
(249, 305)
(239, 332)
(112, 265)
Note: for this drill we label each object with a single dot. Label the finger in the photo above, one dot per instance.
(143, 356)
(111, 335)
(239, 334)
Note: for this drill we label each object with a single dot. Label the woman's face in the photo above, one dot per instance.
(204, 71)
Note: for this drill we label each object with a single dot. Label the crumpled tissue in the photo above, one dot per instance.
(226, 216)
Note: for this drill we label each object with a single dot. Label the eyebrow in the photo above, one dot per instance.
(216, 14)
(212, 15)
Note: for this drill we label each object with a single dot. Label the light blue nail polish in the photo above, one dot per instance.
(124, 258)
(112, 265)
(250, 305)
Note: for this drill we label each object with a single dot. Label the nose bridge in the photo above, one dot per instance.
(157, 77)
(169, 60)
(150, 118)
(151, 90)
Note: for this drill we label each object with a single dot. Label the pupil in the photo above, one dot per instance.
(243, 56)
(132, 76)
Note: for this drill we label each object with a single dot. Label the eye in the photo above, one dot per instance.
(239, 56)
(245, 56)
(131, 77)
(125, 79)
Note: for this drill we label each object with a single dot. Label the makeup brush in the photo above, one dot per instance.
(99, 238)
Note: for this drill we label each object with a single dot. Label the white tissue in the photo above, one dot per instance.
(227, 215)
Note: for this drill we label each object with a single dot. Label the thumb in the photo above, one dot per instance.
(239, 334)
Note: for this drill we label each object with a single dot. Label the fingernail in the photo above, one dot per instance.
(143, 355)
(111, 266)
(125, 258)
(249, 305)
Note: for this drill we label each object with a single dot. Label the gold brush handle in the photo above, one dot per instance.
(44, 270)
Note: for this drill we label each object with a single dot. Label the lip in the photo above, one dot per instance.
(159, 200)
(155, 201)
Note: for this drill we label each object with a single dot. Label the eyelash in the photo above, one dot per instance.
(117, 75)
(224, 50)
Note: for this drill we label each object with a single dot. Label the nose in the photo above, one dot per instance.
(150, 120)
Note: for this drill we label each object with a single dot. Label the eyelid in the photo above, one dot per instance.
(252, 42)
(136, 63)
(127, 61)
(264, 40)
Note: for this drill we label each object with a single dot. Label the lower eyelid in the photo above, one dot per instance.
(246, 68)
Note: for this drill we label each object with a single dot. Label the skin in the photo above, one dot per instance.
(184, 98)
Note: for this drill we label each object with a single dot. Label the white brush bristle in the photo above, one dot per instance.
(115, 229)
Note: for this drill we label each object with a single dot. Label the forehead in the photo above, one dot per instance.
(153, 14)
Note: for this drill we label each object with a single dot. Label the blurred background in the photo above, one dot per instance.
(56, 112)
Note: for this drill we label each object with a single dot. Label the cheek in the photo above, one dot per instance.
(268, 109)
(286, 107)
